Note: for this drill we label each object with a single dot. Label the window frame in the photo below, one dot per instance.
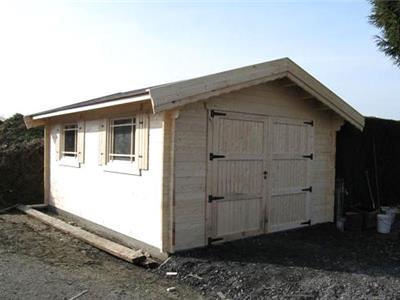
(133, 151)
(73, 154)
(129, 166)
(69, 158)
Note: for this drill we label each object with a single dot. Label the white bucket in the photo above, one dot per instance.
(384, 222)
(391, 212)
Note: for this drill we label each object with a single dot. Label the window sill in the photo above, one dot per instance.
(122, 168)
(69, 162)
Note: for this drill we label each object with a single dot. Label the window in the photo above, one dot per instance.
(70, 140)
(124, 144)
(69, 143)
(122, 139)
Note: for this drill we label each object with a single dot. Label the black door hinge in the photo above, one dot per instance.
(212, 198)
(311, 156)
(306, 223)
(311, 123)
(211, 240)
(212, 156)
(215, 113)
(309, 189)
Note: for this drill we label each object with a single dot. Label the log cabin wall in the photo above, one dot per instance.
(126, 203)
(273, 100)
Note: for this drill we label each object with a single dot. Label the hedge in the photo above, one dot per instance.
(21, 163)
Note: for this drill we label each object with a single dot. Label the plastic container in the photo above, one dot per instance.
(384, 223)
(385, 208)
(390, 211)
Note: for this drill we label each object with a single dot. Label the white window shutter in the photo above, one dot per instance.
(142, 138)
(81, 142)
(103, 127)
(58, 142)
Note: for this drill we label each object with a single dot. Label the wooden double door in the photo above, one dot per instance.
(258, 174)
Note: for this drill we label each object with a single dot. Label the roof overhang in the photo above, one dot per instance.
(38, 119)
(173, 95)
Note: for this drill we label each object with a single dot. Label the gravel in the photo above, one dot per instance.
(310, 263)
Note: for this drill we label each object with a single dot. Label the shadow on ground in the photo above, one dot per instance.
(318, 247)
(308, 263)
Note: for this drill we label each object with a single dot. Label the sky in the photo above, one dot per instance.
(54, 53)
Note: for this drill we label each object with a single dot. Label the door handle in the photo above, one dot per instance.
(265, 173)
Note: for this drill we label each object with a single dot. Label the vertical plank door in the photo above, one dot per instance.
(291, 154)
(237, 180)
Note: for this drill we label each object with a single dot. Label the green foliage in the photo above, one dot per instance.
(13, 132)
(386, 16)
(21, 162)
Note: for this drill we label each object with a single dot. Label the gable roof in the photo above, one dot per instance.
(172, 95)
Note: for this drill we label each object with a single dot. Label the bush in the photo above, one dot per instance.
(21, 163)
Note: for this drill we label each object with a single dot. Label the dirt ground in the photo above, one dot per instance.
(38, 262)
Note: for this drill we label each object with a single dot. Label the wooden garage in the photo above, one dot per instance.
(182, 165)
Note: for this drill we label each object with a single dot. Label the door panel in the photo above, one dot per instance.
(238, 176)
(241, 197)
(238, 136)
(288, 210)
(238, 216)
(288, 207)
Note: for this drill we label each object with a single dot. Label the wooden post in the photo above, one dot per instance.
(46, 168)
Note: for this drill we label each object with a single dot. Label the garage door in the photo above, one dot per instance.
(291, 147)
(258, 174)
(237, 180)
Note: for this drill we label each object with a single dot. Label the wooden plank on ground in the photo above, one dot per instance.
(125, 253)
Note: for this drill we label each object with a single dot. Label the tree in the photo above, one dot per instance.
(385, 15)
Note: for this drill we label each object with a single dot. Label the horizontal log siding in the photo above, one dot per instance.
(191, 153)
(190, 176)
